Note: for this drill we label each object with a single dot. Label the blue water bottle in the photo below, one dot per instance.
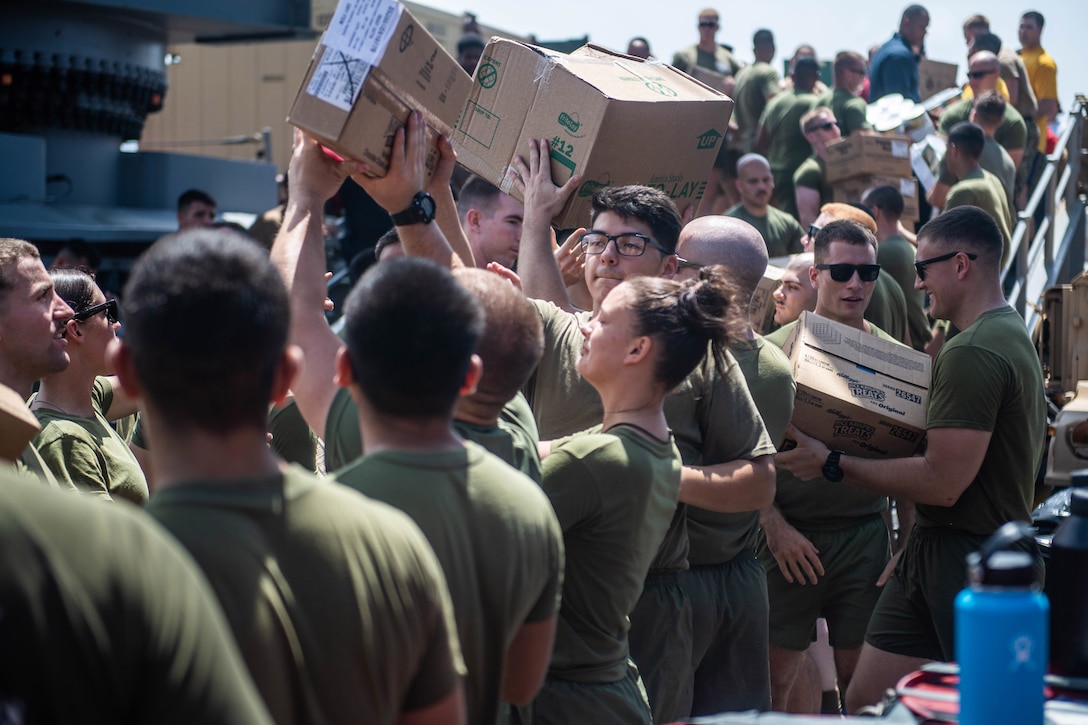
(1002, 621)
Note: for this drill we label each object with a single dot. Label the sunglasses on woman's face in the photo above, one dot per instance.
(109, 307)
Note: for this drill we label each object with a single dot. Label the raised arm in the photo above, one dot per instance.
(299, 254)
(540, 276)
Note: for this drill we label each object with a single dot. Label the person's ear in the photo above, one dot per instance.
(472, 220)
(344, 375)
(472, 376)
(73, 331)
(669, 265)
(640, 347)
(124, 367)
(814, 277)
(286, 372)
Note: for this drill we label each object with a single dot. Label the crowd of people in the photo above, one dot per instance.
(532, 477)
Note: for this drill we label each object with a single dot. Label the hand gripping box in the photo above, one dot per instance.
(612, 118)
(373, 66)
(868, 156)
(856, 392)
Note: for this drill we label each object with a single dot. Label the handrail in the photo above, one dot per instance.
(1034, 262)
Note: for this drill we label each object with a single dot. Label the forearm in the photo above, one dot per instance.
(1048, 109)
(909, 479)
(450, 224)
(540, 275)
(733, 487)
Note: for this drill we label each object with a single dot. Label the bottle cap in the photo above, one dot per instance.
(1078, 501)
(1002, 569)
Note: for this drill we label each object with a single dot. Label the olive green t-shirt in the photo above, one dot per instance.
(982, 189)
(718, 537)
(337, 602)
(90, 455)
(821, 505)
(292, 439)
(788, 145)
(1012, 133)
(850, 111)
(615, 494)
(781, 232)
(107, 620)
(498, 541)
(755, 84)
(888, 307)
(988, 378)
(31, 467)
(895, 255)
(994, 159)
(812, 174)
(513, 438)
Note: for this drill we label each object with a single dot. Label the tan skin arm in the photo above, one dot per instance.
(450, 709)
(527, 660)
(732, 487)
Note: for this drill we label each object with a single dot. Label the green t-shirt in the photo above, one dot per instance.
(720, 61)
(788, 145)
(107, 620)
(89, 454)
(812, 174)
(895, 255)
(994, 159)
(850, 111)
(754, 85)
(337, 602)
(615, 495)
(292, 439)
(513, 438)
(888, 307)
(496, 537)
(31, 467)
(767, 374)
(781, 232)
(982, 189)
(1012, 133)
(820, 505)
(988, 378)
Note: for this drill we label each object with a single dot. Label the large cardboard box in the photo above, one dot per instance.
(373, 66)
(852, 190)
(867, 156)
(612, 118)
(934, 77)
(856, 392)
(761, 311)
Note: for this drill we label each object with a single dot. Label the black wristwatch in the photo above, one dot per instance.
(832, 470)
(420, 211)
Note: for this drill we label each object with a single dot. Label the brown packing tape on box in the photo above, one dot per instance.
(18, 426)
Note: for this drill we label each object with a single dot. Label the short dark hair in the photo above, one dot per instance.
(966, 226)
(685, 317)
(913, 11)
(512, 341)
(81, 248)
(645, 204)
(986, 41)
(385, 240)
(969, 138)
(885, 198)
(190, 196)
(976, 21)
(477, 193)
(1036, 17)
(206, 318)
(763, 36)
(990, 108)
(11, 251)
(74, 286)
(840, 230)
(411, 330)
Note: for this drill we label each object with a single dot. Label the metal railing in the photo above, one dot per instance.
(1037, 259)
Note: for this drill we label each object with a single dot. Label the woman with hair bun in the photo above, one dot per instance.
(615, 487)
(75, 441)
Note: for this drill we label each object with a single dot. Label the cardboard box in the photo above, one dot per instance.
(613, 119)
(852, 190)
(868, 156)
(373, 66)
(934, 77)
(761, 311)
(856, 392)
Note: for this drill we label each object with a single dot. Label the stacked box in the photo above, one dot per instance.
(374, 65)
(611, 118)
(934, 77)
(853, 189)
(864, 155)
(856, 392)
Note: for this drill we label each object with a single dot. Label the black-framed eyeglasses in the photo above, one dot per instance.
(109, 307)
(920, 267)
(844, 272)
(820, 127)
(682, 263)
(708, 23)
(628, 244)
(813, 230)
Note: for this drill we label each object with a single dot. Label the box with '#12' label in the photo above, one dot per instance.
(857, 393)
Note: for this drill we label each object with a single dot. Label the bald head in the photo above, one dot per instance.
(748, 159)
(983, 72)
(727, 241)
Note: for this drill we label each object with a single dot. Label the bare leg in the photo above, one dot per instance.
(804, 697)
(875, 672)
(785, 669)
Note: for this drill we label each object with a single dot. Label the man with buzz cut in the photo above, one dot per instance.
(492, 222)
(411, 332)
(196, 209)
(756, 85)
(755, 183)
(976, 186)
(849, 108)
(1042, 71)
(825, 547)
(337, 602)
(811, 188)
(707, 53)
(894, 67)
(985, 426)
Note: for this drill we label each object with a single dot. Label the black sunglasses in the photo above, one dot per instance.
(708, 23)
(109, 307)
(976, 74)
(813, 230)
(843, 272)
(920, 267)
(821, 127)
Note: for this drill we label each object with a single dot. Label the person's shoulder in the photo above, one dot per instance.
(778, 337)
(772, 360)
(777, 216)
(737, 210)
(57, 427)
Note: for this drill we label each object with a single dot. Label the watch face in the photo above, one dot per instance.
(427, 206)
(832, 473)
